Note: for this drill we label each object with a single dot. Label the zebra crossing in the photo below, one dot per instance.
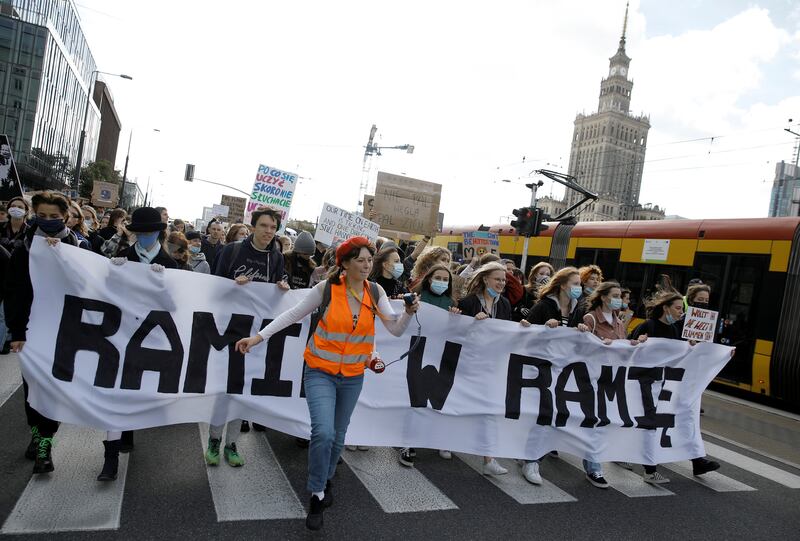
(71, 499)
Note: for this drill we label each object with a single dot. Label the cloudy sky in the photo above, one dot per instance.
(475, 86)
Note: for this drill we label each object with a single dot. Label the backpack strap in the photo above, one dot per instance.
(374, 296)
(594, 320)
(319, 313)
(237, 246)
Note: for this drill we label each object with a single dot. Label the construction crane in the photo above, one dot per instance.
(370, 150)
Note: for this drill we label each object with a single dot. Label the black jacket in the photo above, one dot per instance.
(19, 290)
(654, 328)
(471, 306)
(8, 239)
(242, 258)
(392, 287)
(298, 270)
(211, 251)
(162, 257)
(546, 309)
(102, 235)
(5, 258)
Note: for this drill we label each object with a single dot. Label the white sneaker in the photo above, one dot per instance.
(493, 468)
(655, 478)
(447, 455)
(530, 471)
(350, 447)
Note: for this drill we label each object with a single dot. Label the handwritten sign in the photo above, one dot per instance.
(273, 188)
(406, 204)
(337, 224)
(479, 243)
(699, 324)
(220, 210)
(655, 250)
(105, 194)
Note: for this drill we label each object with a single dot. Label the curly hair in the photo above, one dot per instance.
(429, 257)
(587, 271)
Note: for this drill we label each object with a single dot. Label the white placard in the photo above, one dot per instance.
(220, 210)
(655, 250)
(338, 224)
(699, 324)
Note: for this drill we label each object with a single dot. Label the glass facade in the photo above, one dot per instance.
(783, 198)
(45, 73)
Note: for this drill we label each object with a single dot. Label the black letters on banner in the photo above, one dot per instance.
(646, 377)
(74, 335)
(205, 335)
(428, 384)
(584, 395)
(612, 388)
(515, 383)
(667, 420)
(272, 384)
(167, 363)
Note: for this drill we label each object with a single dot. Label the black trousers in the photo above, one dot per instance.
(47, 427)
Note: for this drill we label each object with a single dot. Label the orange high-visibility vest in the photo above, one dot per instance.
(337, 347)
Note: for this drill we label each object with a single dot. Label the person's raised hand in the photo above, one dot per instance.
(245, 344)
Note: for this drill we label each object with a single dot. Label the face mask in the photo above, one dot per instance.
(624, 305)
(397, 270)
(88, 223)
(701, 305)
(670, 319)
(50, 227)
(438, 287)
(575, 292)
(194, 249)
(588, 290)
(615, 304)
(492, 292)
(147, 239)
(16, 212)
(542, 280)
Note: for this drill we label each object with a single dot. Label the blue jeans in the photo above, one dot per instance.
(331, 401)
(592, 467)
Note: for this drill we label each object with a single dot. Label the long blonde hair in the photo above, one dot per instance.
(559, 279)
(476, 285)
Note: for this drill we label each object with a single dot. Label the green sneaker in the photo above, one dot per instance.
(212, 453)
(232, 457)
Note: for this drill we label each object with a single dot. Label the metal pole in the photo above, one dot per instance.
(533, 186)
(77, 179)
(125, 171)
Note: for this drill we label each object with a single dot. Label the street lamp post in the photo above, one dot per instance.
(796, 158)
(77, 178)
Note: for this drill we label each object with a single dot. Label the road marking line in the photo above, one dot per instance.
(515, 485)
(713, 480)
(754, 466)
(10, 376)
(396, 488)
(259, 490)
(70, 498)
(620, 479)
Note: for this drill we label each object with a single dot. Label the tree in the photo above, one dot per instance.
(102, 171)
(302, 225)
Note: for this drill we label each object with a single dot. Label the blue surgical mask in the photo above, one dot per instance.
(624, 305)
(575, 292)
(51, 227)
(670, 319)
(397, 270)
(615, 304)
(492, 292)
(588, 290)
(438, 287)
(194, 249)
(146, 240)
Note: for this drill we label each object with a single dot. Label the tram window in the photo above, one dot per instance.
(710, 268)
(633, 276)
(607, 260)
(584, 256)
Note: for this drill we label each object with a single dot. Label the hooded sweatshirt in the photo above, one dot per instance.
(198, 263)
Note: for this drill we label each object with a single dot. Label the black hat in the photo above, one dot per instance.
(146, 220)
(191, 235)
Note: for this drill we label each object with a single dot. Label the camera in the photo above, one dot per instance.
(409, 298)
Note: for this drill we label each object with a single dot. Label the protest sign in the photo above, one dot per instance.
(236, 207)
(220, 210)
(699, 324)
(105, 194)
(479, 243)
(273, 188)
(208, 214)
(337, 224)
(406, 204)
(10, 185)
(98, 356)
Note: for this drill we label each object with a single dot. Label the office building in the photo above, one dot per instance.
(785, 197)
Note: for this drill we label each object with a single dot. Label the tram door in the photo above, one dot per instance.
(736, 282)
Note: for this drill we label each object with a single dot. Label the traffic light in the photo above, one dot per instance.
(538, 217)
(188, 175)
(524, 222)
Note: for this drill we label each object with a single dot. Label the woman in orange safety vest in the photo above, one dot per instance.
(336, 356)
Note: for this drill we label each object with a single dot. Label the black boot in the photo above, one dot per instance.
(703, 465)
(314, 518)
(33, 446)
(245, 427)
(44, 459)
(111, 464)
(327, 500)
(126, 442)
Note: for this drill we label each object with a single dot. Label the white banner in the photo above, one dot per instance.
(126, 348)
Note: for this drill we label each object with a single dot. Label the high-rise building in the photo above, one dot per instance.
(785, 197)
(608, 147)
(110, 126)
(45, 72)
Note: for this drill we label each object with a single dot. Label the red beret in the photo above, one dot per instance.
(345, 247)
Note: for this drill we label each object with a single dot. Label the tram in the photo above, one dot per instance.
(751, 265)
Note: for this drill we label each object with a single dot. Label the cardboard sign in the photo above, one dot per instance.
(220, 210)
(105, 194)
(10, 185)
(699, 324)
(655, 250)
(479, 243)
(406, 204)
(236, 207)
(337, 224)
(273, 188)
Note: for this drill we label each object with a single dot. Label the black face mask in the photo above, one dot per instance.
(701, 305)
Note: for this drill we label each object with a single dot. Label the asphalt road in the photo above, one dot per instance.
(165, 491)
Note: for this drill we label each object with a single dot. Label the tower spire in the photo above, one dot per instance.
(624, 28)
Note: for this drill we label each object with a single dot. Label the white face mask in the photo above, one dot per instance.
(88, 223)
(16, 212)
